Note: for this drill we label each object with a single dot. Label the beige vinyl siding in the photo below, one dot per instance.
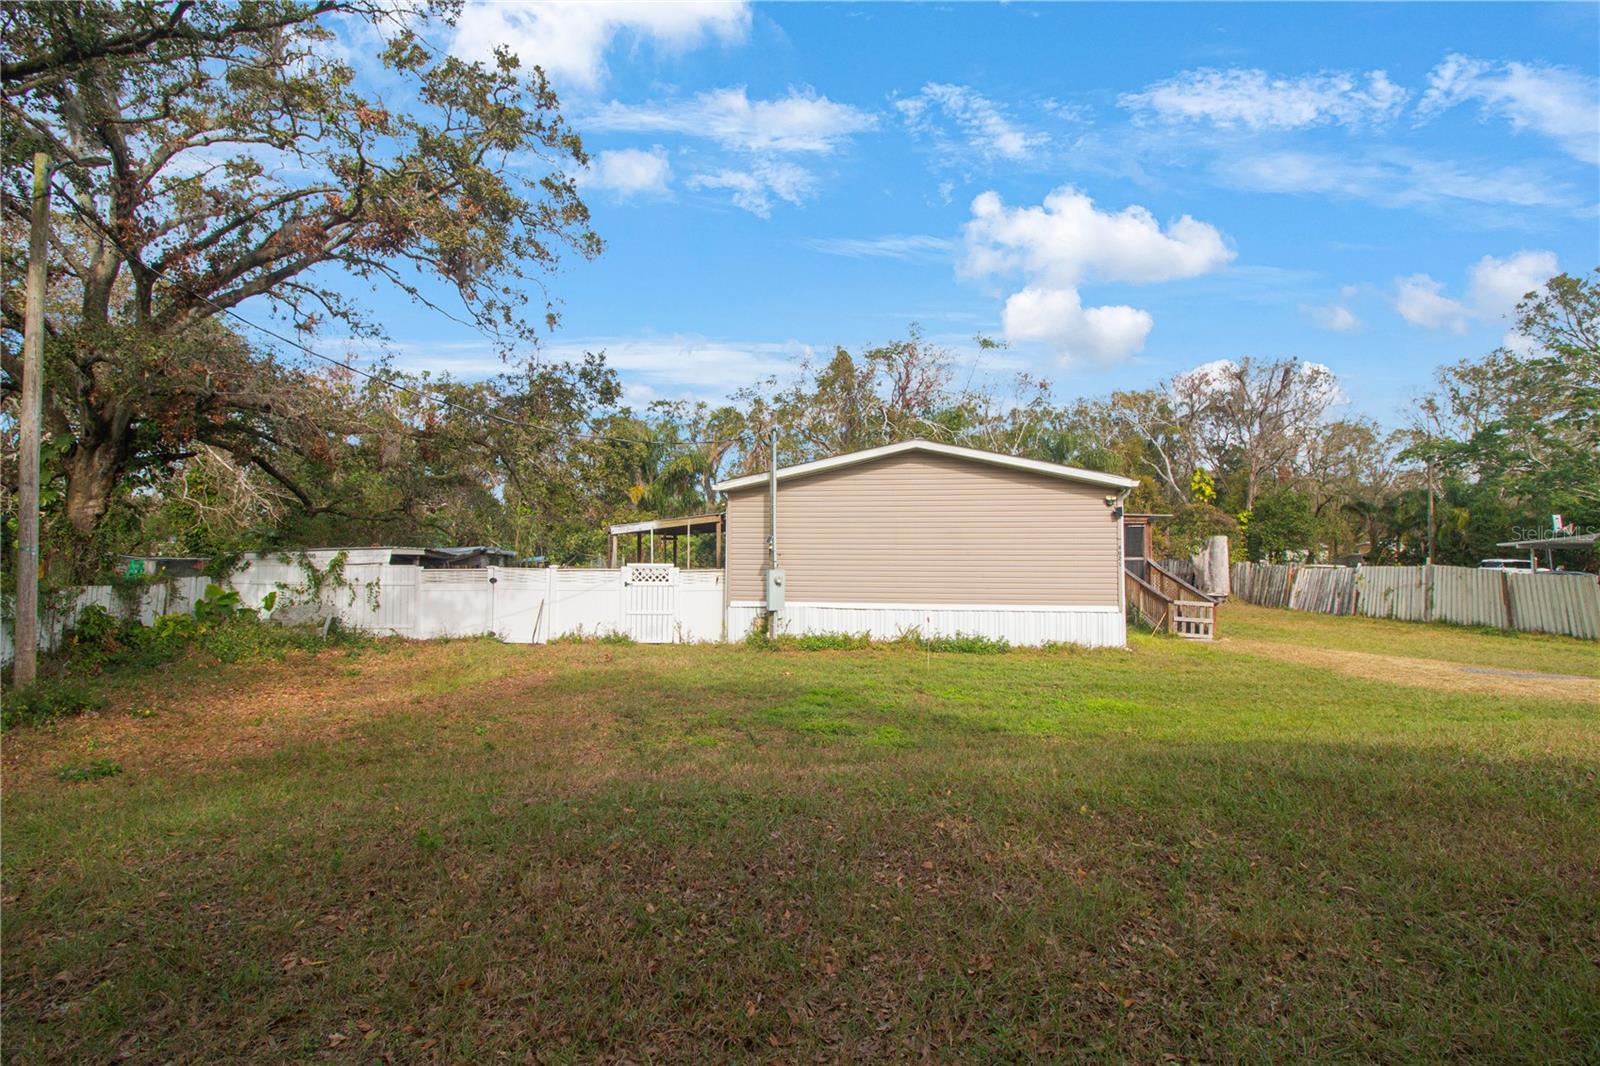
(920, 528)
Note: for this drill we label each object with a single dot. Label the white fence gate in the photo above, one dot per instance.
(649, 602)
(517, 605)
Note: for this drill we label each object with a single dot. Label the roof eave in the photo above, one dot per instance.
(817, 466)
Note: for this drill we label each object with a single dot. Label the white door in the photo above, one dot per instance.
(649, 595)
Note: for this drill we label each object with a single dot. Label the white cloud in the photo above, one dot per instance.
(1421, 301)
(630, 172)
(892, 246)
(1064, 242)
(798, 122)
(1336, 315)
(1058, 318)
(688, 365)
(1080, 114)
(1219, 375)
(1255, 100)
(755, 188)
(759, 131)
(1557, 102)
(1067, 240)
(570, 38)
(986, 130)
(1394, 178)
(1209, 376)
(1494, 286)
(679, 365)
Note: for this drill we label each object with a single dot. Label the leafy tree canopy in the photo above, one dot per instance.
(213, 153)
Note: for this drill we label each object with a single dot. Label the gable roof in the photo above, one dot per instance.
(1032, 466)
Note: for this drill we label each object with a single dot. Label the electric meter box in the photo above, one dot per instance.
(774, 590)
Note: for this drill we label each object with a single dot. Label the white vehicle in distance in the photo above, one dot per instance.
(1506, 564)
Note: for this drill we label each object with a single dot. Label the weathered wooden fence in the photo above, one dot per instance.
(1568, 604)
(1180, 568)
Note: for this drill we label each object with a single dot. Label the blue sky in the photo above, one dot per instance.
(1119, 192)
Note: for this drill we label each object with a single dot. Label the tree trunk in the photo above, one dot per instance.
(92, 472)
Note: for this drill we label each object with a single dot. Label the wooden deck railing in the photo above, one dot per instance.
(1149, 604)
(1171, 585)
(1172, 605)
(1195, 619)
(1194, 613)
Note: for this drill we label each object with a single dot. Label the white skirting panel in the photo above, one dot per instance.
(1026, 625)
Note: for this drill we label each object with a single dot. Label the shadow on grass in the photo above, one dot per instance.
(1104, 896)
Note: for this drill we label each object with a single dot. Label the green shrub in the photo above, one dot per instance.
(233, 641)
(578, 636)
(228, 634)
(218, 604)
(91, 771)
(245, 638)
(965, 644)
(826, 642)
(176, 628)
(47, 700)
(911, 638)
(1062, 647)
(95, 625)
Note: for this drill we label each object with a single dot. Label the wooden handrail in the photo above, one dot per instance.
(1151, 605)
(1194, 618)
(1169, 576)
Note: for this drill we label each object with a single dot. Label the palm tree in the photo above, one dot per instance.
(667, 472)
(1369, 515)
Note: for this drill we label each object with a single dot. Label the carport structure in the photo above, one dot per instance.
(1551, 545)
(670, 531)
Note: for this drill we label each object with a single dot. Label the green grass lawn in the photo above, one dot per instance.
(469, 851)
(1491, 648)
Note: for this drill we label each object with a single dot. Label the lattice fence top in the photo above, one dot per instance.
(648, 573)
(464, 577)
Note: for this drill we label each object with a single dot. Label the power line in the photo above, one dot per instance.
(390, 383)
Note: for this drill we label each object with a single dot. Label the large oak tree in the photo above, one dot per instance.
(212, 153)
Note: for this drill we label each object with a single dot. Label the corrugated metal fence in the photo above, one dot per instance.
(1568, 604)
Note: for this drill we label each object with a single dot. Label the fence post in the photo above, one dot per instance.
(1427, 591)
(416, 605)
(551, 627)
(492, 579)
(1505, 594)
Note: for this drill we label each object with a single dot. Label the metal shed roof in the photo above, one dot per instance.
(1033, 466)
(698, 523)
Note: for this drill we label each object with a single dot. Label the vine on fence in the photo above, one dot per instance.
(323, 584)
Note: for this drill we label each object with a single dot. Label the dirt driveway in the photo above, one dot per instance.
(1428, 673)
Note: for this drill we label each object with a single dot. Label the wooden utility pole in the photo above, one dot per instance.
(1430, 509)
(25, 632)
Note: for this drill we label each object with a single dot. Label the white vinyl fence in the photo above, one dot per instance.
(1568, 604)
(651, 603)
(177, 596)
